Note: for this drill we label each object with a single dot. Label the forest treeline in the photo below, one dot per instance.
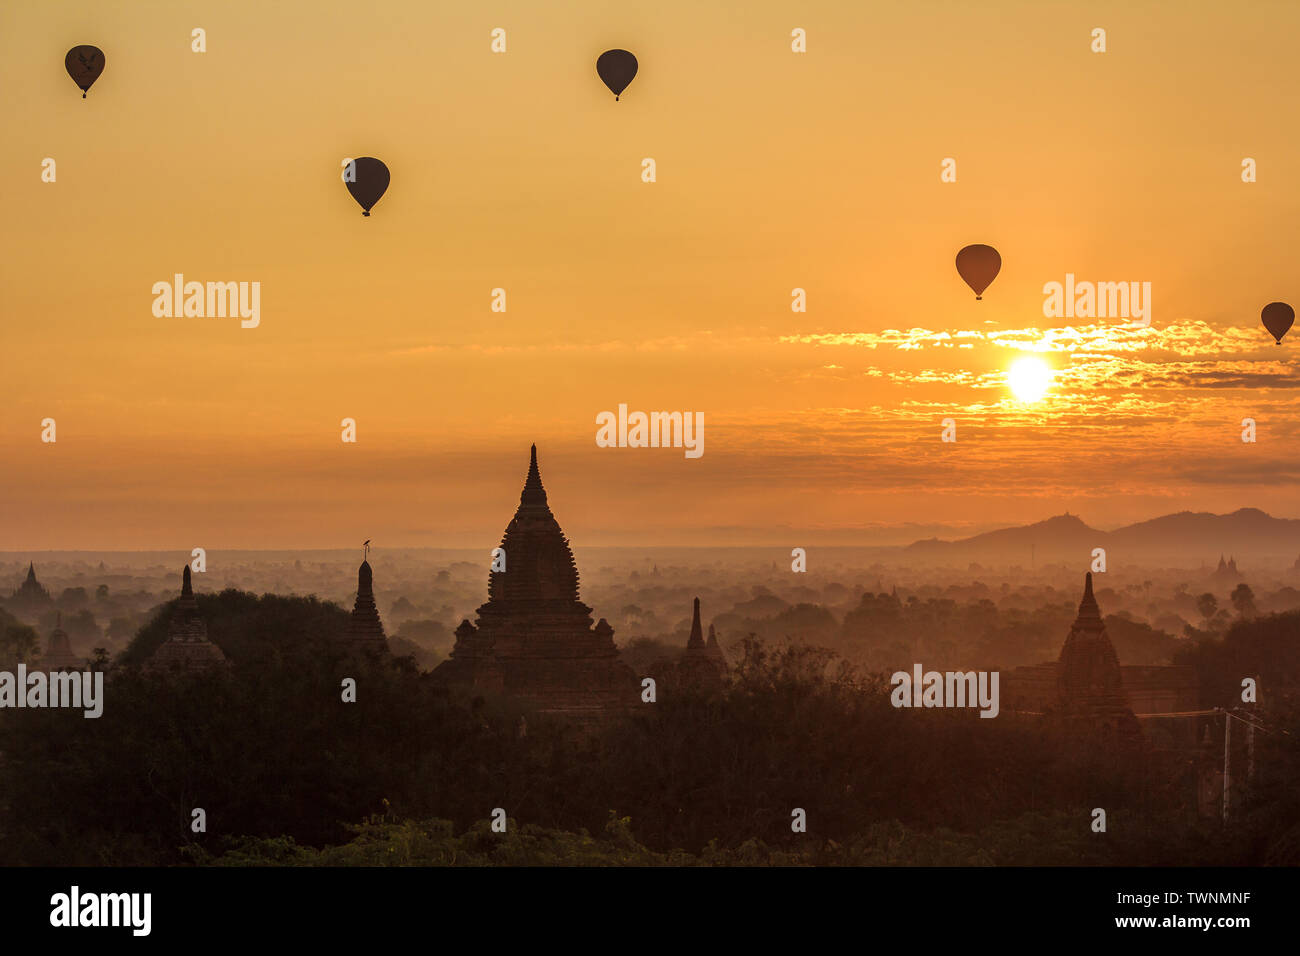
(287, 773)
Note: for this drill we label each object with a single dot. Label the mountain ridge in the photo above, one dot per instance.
(1188, 534)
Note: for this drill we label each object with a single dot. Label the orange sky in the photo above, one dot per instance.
(519, 170)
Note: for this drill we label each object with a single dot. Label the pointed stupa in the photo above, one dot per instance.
(534, 640)
(696, 640)
(713, 650)
(365, 630)
(186, 625)
(702, 664)
(1090, 683)
(533, 495)
(187, 601)
(31, 591)
(59, 656)
(539, 561)
(187, 647)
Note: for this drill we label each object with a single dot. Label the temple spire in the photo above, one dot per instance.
(534, 494)
(188, 603)
(697, 633)
(186, 624)
(713, 638)
(365, 630)
(1088, 609)
(539, 558)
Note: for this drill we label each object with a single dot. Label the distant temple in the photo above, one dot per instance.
(702, 665)
(1090, 684)
(58, 654)
(1227, 571)
(1087, 687)
(365, 630)
(31, 592)
(187, 646)
(534, 641)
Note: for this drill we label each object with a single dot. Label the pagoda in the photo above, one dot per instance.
(713, 650)
(1090, 689)
(1227, 571)
(58, 653)
(701, 665)
(187, 647)
(534, 641)
(365, 630)
(31, 593)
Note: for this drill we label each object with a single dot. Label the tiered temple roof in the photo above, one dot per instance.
(534, 640)
(187, 646)
(31, 591)
(365, 630)
(1091, 691)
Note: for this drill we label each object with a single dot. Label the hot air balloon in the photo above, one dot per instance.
(979, 265)
(1278, 318)
(84, 64)
(367, 181)
(616, 68)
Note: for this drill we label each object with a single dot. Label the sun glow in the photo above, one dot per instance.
(1029, 379)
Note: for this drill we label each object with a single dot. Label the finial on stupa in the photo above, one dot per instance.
(534, 494)
(365, 550)
(1088, 608)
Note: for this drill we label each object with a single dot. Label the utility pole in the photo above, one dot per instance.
(1227, 780)
(1250, 753)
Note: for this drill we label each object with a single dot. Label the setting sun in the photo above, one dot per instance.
(1029, 379)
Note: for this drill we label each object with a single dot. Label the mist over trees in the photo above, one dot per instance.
(287, 773)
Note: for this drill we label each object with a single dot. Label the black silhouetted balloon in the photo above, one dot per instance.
(84, 64)
(370, 184)
(979, 265)
(616, 68)
(1278, 318)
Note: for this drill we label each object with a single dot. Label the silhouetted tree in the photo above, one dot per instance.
(1207, 604)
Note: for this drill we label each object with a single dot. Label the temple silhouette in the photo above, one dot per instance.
(58, 652)
(187, 647)
(1090, 684)
(365, 629)
(702, 665)
(1088, 689)
(534, 640)
(31, 594)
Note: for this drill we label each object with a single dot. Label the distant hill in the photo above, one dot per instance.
(1184, 539)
